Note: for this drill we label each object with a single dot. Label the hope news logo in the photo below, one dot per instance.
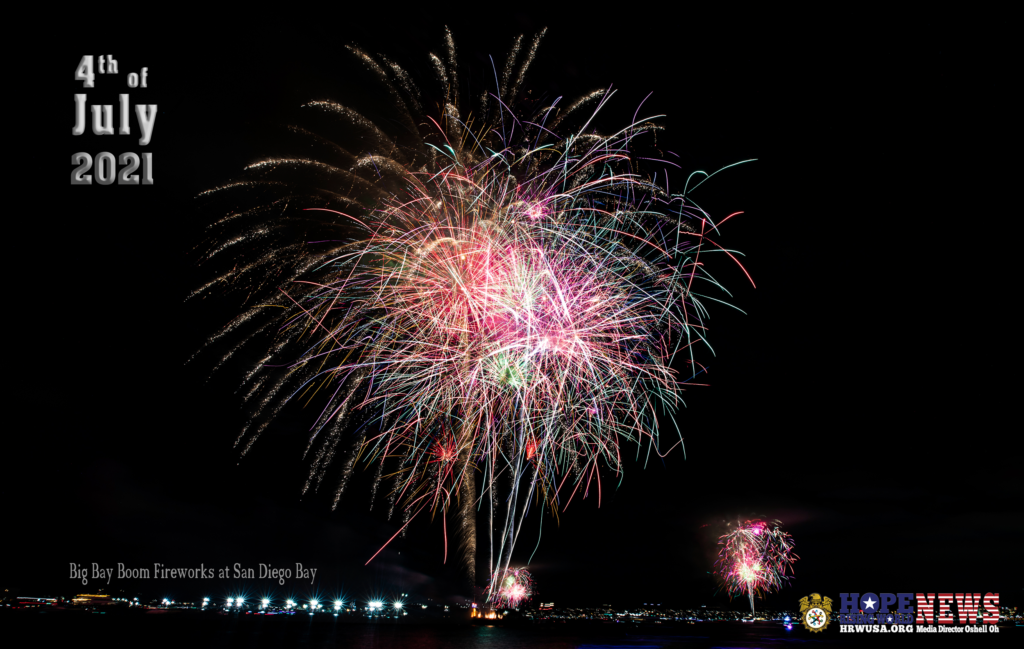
(894, 613)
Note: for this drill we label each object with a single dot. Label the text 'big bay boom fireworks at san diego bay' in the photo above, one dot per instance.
(479, 296)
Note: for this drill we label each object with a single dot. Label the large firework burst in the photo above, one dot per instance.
(504, 291)
(754, 558)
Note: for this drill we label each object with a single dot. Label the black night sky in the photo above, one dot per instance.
(859, 400)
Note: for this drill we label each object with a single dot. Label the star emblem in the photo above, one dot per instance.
(869, 603)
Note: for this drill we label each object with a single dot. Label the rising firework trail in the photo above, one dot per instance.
(482, 295)
(754, 558)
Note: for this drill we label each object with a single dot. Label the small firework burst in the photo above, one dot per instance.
(514, 586)
(754, 558)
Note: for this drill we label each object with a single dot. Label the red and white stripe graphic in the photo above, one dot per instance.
(925, 608)
(967, 605)
(991, 614)
(945, 613)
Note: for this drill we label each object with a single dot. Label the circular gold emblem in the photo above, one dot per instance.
(815, 619)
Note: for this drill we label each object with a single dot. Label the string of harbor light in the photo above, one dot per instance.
(314, 605)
